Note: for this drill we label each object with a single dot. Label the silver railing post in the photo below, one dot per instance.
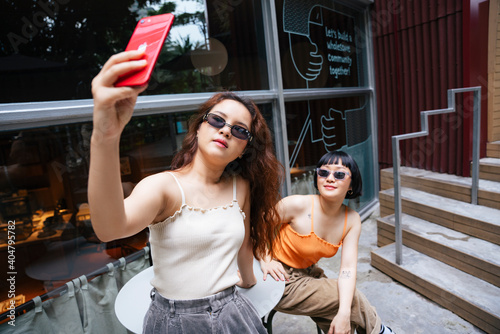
(476, 140)
(397, 203)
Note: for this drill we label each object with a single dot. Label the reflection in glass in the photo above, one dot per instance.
(321, 44)
(54, 51)
(315, 127)
(43, 193)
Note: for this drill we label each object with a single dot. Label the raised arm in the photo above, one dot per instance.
(347, 276)
(113, 108)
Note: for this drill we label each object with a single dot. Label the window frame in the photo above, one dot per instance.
(18, 116)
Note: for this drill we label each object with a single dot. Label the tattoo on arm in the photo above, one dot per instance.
(345, 274)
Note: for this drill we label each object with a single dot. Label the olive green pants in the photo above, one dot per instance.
(309, 292)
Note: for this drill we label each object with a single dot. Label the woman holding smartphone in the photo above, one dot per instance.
(207, 217)
(315, 227)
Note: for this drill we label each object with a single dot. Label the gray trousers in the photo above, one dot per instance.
(226, 312)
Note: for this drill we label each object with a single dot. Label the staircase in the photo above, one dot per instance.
(493, 149)
(451, 248)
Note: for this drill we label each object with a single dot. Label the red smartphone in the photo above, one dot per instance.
(149, 34)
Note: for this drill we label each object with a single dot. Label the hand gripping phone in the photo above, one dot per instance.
(149, 35)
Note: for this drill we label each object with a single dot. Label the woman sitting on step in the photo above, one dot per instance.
(315, 227)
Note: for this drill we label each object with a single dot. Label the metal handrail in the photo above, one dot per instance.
(424, 124)
(120, 263)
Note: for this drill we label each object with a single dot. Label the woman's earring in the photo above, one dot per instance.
(349, 192)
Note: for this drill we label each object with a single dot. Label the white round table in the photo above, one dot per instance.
(132, 302)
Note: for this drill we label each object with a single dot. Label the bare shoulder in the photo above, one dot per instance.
(242, 184)
(293, 205)
(243, 193)
(162, 189)
(168, 181)
(353, 220)
(353, 215)
(159, 181)
(297, 201)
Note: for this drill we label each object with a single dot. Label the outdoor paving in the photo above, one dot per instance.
(402, 309)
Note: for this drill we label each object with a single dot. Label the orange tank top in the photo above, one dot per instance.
(301, 251)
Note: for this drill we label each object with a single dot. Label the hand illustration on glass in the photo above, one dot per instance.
(306, 58)
(333, 130)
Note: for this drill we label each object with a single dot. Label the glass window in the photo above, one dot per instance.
(321, 44)
(53, 49)
(43, 193)
(315, 127)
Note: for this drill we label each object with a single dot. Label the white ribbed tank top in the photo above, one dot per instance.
(195, 250)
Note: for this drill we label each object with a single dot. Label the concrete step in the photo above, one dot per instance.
(489, 169)
(493, 149)
(472, 255)
(446, 185)
(469, 297)
(475, 220)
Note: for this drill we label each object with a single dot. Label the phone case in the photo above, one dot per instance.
(149, 34)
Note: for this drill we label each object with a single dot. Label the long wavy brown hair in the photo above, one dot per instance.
(258, 165)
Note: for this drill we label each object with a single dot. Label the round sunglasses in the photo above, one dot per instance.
(337, 175)
(218, 122)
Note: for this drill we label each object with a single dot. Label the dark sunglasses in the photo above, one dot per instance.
(236, 130)
(337, 175)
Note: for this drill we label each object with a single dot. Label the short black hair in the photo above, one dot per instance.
(347, 161)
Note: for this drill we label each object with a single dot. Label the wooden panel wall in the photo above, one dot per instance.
(494, 72)
(418, 57)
